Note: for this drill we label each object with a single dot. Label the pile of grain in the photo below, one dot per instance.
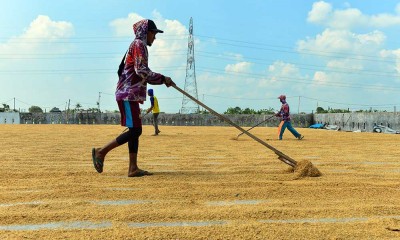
(306, 169)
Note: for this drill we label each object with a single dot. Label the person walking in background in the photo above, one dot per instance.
(155, 109)
(130, 91)
(284, 114)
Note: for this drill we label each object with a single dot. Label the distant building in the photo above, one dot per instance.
(9, 118)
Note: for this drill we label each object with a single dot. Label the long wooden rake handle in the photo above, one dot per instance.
(255, 126)
(284, 158)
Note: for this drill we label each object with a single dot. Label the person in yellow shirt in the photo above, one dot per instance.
(155, 109)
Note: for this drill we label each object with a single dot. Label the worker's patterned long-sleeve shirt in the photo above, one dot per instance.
(284, 113)
(132, 84)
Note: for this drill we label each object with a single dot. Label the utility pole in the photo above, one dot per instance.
(14, 104)
(69, 102)
(98, 106)
(98, 102)
(298, 108)
(203, 101)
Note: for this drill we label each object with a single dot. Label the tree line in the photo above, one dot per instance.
(332, 110)
(230, 110)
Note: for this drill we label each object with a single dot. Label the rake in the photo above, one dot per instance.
(281, 156)
(237, 137)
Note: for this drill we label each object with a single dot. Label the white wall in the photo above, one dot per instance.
(9, 118)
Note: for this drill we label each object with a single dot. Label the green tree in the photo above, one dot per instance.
(93, 109)
(204, 112)
(5, 108)
(35, 109)
(78, 106)
(248, 111)
(238, 110)
(235, 110)
(321, 110)
(266, 111)
(338, 110)
(55, 109)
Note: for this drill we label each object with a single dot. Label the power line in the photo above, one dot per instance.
(315, 99)
(222, 41)
(352, 104)
(313, 67)
(8, 100)
(235, 43)
(286, 49)
(297, 80)
(74, 71)
(206, 70)
(238, 98)
(83, 40)
(57, 57)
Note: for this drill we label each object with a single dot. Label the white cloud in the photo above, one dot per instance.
(392, 55)
(347, 19)
(320, 78)
(169, 48)
(280, 68)
(44, 27)
(38, 49)
(323, 14)
(345, 65)
(215, 84)
(123, 27)
(398, 66)
(283, 78)
(38, 37)
(332, 42)
(384, 20)
(347, 58)
(280, 72)
(376, 38)
(320, 12)
(241, 67)
(344, 55)
(235, 56)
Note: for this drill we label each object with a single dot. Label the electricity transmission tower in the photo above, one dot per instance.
(188, 106)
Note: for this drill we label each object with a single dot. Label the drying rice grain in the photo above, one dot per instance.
(306, 169)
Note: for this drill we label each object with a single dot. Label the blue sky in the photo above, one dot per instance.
(337, 54)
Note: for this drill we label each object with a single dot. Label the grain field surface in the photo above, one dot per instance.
(205, 185)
